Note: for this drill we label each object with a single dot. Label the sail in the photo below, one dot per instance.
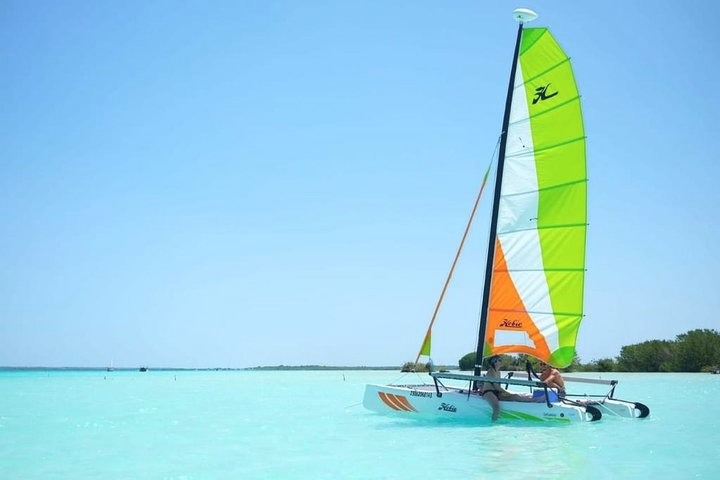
(426, 346)
(538, 274)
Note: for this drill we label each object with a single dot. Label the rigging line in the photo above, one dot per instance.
(459, 251)
(537, 270)
(546, 147)
(547, 70)
(575, 99)
(405, 374)
(538, 312)
(566, 226)
(571, 183)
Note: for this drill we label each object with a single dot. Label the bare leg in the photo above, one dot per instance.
(494, 403)
(515, 397)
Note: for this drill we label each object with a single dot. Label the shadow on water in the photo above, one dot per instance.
(390, 422)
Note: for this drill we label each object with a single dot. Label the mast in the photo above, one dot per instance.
(522, 15)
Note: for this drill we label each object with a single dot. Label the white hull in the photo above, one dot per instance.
(610, 407)
(418, 401)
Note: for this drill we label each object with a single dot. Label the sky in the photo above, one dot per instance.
(241, 183)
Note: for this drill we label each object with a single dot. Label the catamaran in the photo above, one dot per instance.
(532, 301)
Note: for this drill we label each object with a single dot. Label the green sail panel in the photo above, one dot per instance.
(536, 300)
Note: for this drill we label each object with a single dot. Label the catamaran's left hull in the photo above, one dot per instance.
(420, 401)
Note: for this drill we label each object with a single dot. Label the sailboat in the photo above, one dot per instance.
(533, 291)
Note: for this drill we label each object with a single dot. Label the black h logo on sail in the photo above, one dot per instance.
(541, 93)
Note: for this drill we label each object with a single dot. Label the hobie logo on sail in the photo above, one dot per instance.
(511, 323)
(541, 93)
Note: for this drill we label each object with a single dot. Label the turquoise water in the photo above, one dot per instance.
(310, 425)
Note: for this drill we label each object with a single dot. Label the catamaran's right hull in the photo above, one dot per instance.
(611, 407)
(420, 401)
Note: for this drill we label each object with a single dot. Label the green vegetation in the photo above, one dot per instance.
(415, 367)
(315, 367)
(467, 362)
(694, 351)
(423, 367)
(507, 362)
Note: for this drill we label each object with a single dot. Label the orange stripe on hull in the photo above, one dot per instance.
(387, 401)
(405, 403)
(396, 402)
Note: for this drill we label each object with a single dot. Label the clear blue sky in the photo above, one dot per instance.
(241, 183)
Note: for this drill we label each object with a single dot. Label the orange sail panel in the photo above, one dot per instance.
(510, 329)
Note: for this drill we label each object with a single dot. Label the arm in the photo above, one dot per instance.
(554, 379)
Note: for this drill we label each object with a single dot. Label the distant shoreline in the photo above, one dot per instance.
(276, 368)
(182, 369)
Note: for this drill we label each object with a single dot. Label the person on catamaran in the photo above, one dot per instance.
(551, 376)
(493, 393)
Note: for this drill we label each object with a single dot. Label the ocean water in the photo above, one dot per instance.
(311, 425)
